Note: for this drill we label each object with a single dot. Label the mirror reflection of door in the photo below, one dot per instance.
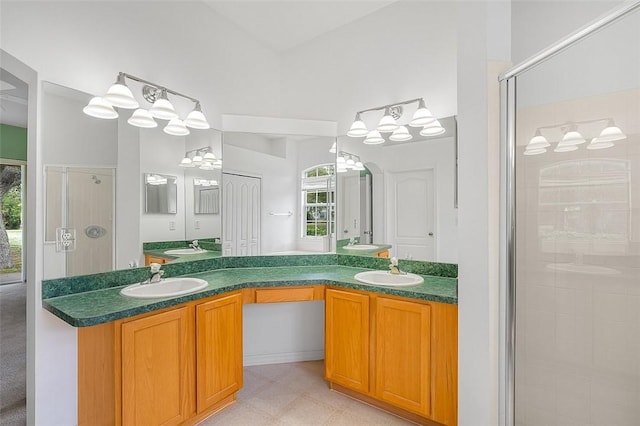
(79, 220)
(241, 210)
(410, 214)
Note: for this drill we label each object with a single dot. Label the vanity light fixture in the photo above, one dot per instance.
(162, 108)
(119, 95)
(422, 117)
(387, 122)
(373, 138)
(156, 179)
(433, 129)
(358, 128)
(610, 133)
(99, 108)
(142, 118)
(401, 134)
(347, 161)
(196, 119)
(205, 182)
(176, 127)
(572, 135)
(202, 158)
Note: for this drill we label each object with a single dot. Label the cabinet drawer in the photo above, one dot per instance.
(149, 259)
(274, 295)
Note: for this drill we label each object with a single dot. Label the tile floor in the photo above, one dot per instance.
(296, 394)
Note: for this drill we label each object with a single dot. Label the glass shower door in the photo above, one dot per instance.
(577, 234)
(79, 220)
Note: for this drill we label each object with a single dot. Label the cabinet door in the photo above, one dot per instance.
(403, 354)
(347, 339)
(219, 349)
(158, 378)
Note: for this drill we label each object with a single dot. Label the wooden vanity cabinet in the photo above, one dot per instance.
(151, 258)
(219, 350)
(347, 339)
(158, 381)
(172, 367)
(410, 353)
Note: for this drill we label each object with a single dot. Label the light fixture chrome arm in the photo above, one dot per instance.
(157, 86)
(380, 108)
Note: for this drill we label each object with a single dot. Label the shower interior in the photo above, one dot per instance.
(575, 274)
(79, 220)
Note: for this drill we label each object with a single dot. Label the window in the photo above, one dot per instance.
(319, 201)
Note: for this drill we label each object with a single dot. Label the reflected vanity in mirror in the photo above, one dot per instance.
(196, 161)
(278, 194)
(103, 164)
(397, 198)
(160, 193)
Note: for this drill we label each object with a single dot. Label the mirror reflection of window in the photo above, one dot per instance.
(584, 206)
(318, 195)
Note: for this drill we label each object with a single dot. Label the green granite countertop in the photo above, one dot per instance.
(105, 305)
(177, 258)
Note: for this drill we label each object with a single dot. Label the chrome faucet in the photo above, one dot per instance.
(156, 273)
(352, 241)
(393, 267)
(195, 245)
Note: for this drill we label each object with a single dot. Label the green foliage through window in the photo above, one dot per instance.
(12, 208)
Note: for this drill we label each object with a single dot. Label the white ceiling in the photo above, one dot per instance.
(282, 25)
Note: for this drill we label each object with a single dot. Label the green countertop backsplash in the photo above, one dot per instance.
(94, 299)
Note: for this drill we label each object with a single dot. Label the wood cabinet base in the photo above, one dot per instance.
(214, 409)
(384, 406)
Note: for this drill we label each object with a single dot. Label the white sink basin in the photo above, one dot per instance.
(169, 287)
(360, 247)
(184, 251)
(386, 278)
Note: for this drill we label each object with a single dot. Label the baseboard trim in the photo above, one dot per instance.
(283, 357)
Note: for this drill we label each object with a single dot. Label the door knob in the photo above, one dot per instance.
(431, 234)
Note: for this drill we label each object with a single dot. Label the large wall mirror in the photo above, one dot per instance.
(96, 188)
(278, 194)
(402, 198)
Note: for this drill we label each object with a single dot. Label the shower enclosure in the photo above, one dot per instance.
(79, 220)
(572, 198)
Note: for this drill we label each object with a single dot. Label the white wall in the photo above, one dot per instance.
(161, 154)
(183, 45)
(400, 52)
(279, 194)
(538, 24)
(283, 332)
(478, 296)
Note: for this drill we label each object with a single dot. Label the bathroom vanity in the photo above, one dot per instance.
(179, 360)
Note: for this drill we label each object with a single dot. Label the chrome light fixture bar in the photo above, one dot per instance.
(422, 117)
(572, 137)
(347, 161)
(202, 158)
(120, 96)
